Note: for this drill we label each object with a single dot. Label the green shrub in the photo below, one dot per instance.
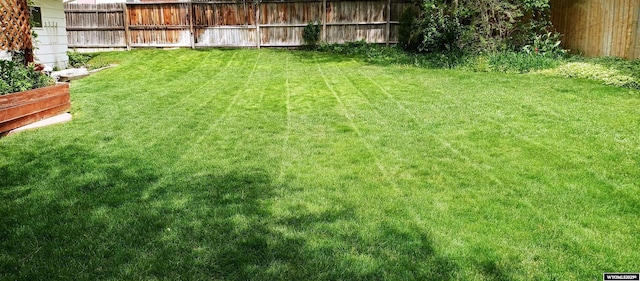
(78, 59)
(16, 77)
(311, 34)
(441, 29)
(477, 26)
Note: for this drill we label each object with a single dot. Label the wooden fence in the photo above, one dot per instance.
(599, 27)
(15, 34)
(224, 23)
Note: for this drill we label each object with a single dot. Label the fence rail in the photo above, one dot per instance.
(266, 23)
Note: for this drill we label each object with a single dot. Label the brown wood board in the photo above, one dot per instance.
(23, 108)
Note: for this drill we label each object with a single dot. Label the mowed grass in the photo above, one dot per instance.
(289, 165)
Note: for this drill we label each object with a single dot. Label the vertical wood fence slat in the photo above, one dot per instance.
(388, 29)
(257, 23)
(634, 33)
(191, 30)
(324, 20)
(127, 33)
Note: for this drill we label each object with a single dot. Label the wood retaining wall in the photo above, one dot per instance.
(23, 108)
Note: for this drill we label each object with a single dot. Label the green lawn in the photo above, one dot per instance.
(289, 165)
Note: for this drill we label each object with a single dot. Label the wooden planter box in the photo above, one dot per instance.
(23, 108)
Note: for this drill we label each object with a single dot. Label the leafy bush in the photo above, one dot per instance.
(441, 29)
(591, 71)
(311, 34)
(17, 77)
(478, 26)
(78, 59)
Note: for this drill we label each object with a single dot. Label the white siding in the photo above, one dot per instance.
(4, 55)
(51, 44)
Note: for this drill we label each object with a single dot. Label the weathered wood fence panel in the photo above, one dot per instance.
(225, 24)
(159, 25)
(230, 23)
(95, 26)
(281, 23)
(599, 27)
(356, 20)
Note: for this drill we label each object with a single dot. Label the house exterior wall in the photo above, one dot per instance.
(51, 43)
(4, 55)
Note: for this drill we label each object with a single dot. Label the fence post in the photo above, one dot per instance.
(324, 21)
(634, 49)
(388, 37)
(257, 19)
(127, 33)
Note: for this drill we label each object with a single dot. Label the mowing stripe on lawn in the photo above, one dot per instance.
(203, 115)
(349, 117)
(286, 161)
(456, 152)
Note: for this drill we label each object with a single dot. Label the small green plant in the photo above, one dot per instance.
(16, 77)
(311, 34)
(547, 44)
(78, 59)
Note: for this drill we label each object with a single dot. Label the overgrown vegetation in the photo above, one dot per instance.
(17, 77)
(592, 71)
(538, 59)
(512, 62)
(476, 26)
(482, 35)
(79, 59)
(88, 60)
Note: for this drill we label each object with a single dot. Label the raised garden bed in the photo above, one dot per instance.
(23, 108)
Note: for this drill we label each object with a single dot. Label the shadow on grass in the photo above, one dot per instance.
(71, 212)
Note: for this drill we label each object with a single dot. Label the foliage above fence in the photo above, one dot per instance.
(15, 35)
